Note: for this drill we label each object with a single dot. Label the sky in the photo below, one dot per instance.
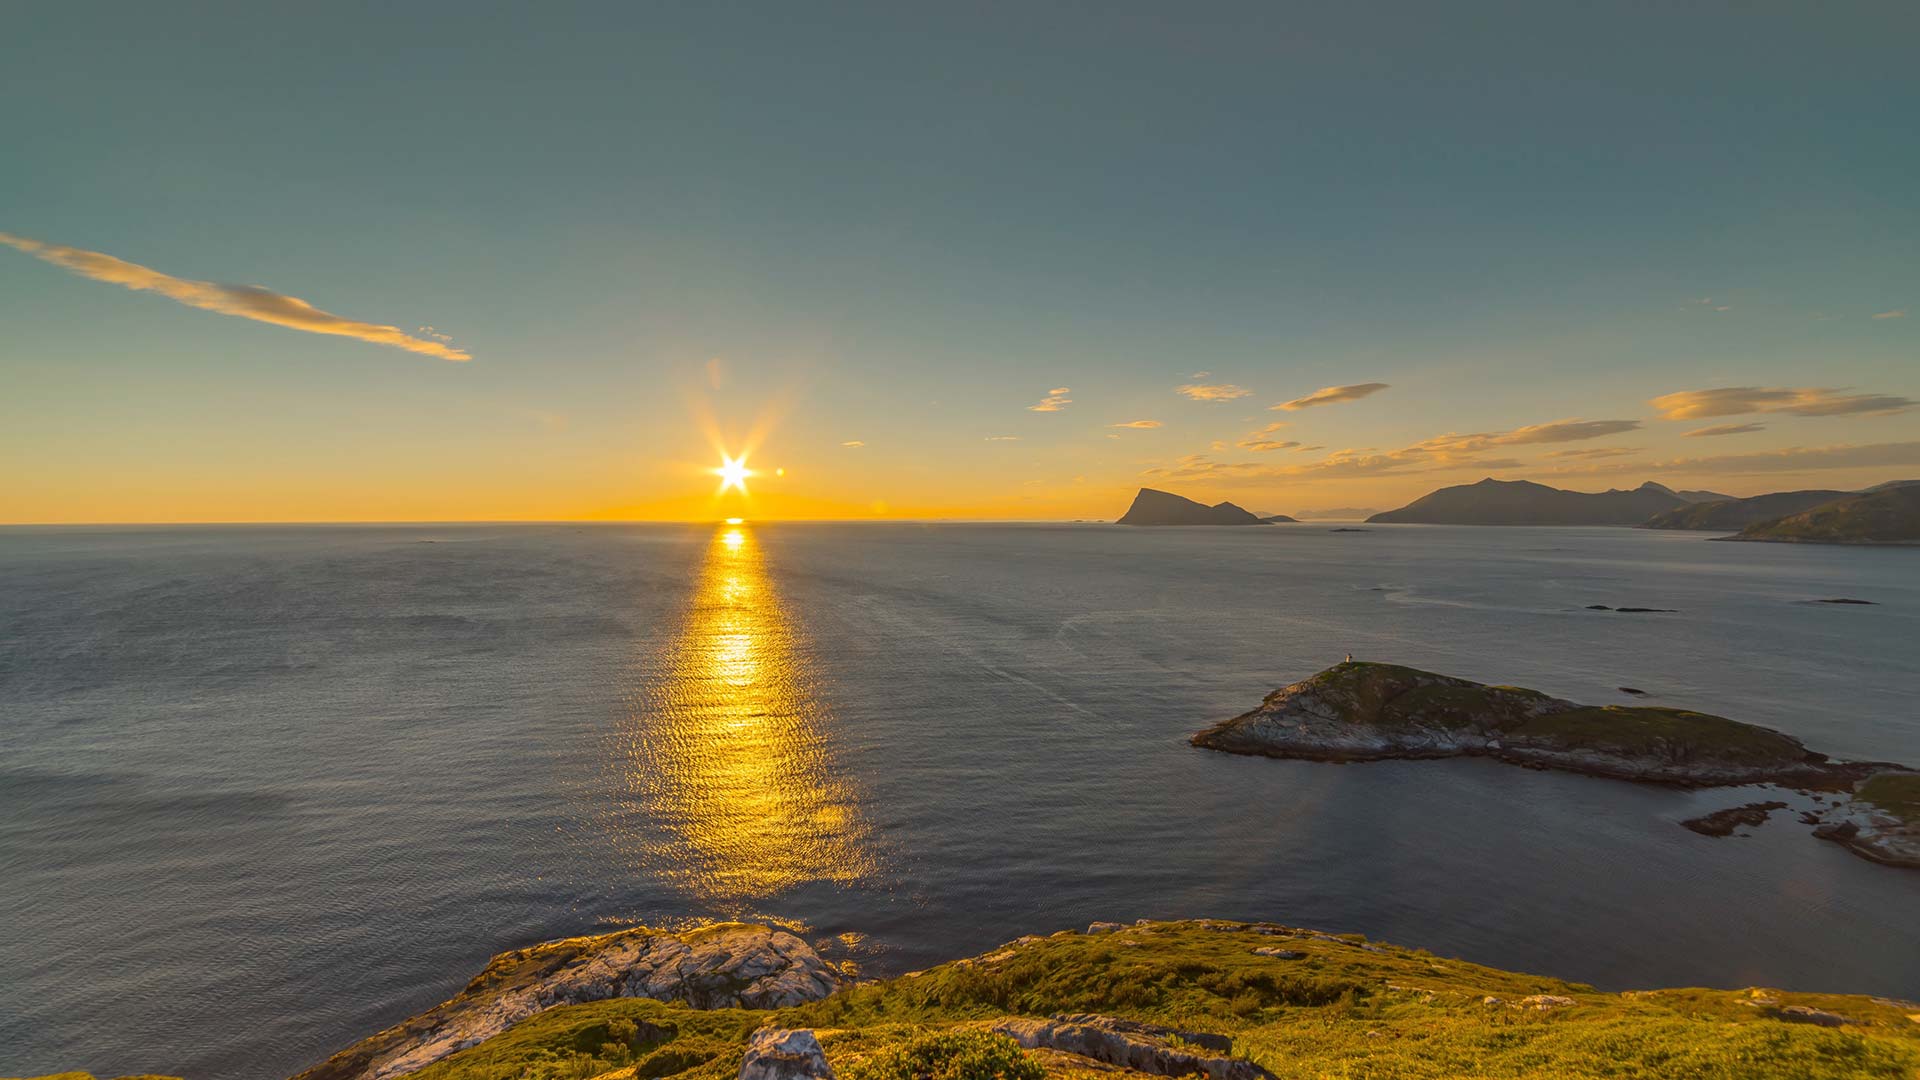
(432, 262)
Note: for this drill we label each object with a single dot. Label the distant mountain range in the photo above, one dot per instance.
(1523, 502)
(1886, 513)
(1152, 507)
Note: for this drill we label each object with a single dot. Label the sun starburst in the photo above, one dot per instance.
(733, 473)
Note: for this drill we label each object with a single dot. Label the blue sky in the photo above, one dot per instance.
(903, 226)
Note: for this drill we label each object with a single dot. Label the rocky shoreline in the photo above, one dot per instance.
(729, 965)
(1358, 711)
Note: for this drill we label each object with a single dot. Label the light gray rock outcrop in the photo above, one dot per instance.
(729, 965)
(785, 1054)
(1133, 1045)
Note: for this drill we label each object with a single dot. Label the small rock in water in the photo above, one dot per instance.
(1598, 607)
(1645, 609)
(1845, 600)
(1634, 690)
(1723, 822)
(785, 1054)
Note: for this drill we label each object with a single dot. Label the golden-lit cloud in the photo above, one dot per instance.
(1055, 400)
(1138, 424)
(243, 301)
(1723, 429)
(1898, 314)
(1558, 431)
(1329, 395)
(853, 443)
(1212, 391)
(1261, 440)
(1800, 401)
(1436, 454)
(1003, 438)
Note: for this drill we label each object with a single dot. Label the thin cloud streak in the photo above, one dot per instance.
(1790, 459)
(1800, 401)
(1212, 391)
(242, 301)
(1143, 424)
(1330, 395)
(1723, 429)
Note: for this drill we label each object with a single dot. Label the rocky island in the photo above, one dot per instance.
(1220, 1000)
(1152, 507)
(1359, 711)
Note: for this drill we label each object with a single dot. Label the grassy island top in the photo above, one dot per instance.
(1392, 697)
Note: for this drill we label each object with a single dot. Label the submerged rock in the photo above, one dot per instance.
(729, 965)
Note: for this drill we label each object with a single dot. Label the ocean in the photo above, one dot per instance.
(265, 790)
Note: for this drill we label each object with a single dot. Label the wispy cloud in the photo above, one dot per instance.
(1791, 459)
(1898, 314)
(1800, 401)
(244, 301)
(1591, 452)
(1330, 395)
(1139, 424)
(1440, 453)
(1559, 431)
(1055, 400)
(1262, 440)
(1212, 391)
(854, 444)
(1003, 438)
(1723, 429)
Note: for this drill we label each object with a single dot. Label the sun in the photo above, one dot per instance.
(733, 473)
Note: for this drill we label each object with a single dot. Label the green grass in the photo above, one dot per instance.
(1347, 1009)
(1896, 793)
(1393, 697)
(1672, 734)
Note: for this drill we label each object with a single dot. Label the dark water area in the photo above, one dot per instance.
(266, 790)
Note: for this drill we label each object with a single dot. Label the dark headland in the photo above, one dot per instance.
(1152, 507)
(1885, 516)
(1372, 712)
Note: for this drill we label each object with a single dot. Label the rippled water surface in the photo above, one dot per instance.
(265, 790)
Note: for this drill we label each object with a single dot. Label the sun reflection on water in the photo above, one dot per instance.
(728, 756)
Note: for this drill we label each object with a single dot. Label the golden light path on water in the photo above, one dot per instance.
(728, 753)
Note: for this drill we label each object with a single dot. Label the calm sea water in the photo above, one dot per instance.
(266, 790)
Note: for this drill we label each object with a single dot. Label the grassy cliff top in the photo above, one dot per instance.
(1344, 1008)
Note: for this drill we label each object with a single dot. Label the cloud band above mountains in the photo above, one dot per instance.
(1800, 401)
(242, 301)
